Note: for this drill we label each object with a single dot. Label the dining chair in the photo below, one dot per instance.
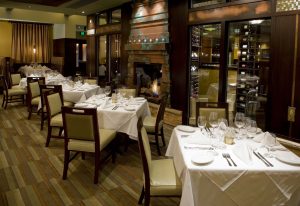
(54, 88)
(160, 177)
(15, 80)
(90, 81)
(54, 103)
(12, 95)
(127, 92)
(33, 93)
(205, 108)
(154, 125)
(82, 134)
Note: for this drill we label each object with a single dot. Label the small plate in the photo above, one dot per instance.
(287, 157)
(185, 128)
(203, 158)
(129, 108)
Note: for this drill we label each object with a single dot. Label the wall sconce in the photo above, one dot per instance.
(34, 54)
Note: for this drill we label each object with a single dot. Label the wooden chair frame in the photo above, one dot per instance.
(83, 112)
(41, 80)
(49, 134)
(10, 99)
(43, 89)
(217, 105)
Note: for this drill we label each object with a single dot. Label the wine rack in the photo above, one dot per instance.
(195, 47)
(252, 58)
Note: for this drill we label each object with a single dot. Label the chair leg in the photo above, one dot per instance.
(162, 136)
(147, 198)
(3, 100)
(97, 166)
(48, 135)
(6, 101)
(66, 164)
(83, 155)
(141, 196)
(157, 144)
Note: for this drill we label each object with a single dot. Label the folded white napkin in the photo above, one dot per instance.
(266, 139)
(67, 87)
(106, 103)
(243, 151)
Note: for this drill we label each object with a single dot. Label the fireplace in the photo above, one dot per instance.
(148, 78)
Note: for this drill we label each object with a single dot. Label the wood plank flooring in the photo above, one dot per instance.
(31, 174)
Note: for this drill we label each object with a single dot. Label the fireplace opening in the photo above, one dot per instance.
(148, 79)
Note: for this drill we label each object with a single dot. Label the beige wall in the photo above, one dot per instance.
(45, 17)
(5, 38)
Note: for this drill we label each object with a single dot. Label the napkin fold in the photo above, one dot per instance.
(266, 139)
(105, 104)
(243, 151)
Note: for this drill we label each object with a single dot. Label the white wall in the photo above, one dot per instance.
(59, 31)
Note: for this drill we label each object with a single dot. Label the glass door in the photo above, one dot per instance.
(248, 68)
(204, 65)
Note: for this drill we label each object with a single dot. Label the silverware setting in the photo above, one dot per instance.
(228, 157)
(115, 107)
(199, 147)
(263, 159)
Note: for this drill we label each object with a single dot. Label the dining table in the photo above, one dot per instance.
(121, 115)
(244, 173)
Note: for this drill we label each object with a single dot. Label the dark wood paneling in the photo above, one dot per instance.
(296, 125)
(43, 2)
(125, 32)
(178, 28)
(282, 49)
(91, 61)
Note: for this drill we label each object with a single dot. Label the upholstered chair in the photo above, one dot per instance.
(128, 92)
(205, 108)
(54, 116)
(15, 80)
(12, 95)
(33, 93)
(91, 81)
(160, 177)
(82, 134)
(154, 124)
(53, 88)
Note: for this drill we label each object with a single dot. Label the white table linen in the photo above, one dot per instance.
(118, 119)
(219, 184)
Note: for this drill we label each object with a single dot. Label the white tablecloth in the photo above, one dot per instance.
(77, 96)
(219, 184)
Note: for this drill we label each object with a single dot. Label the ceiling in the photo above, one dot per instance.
(69, 7)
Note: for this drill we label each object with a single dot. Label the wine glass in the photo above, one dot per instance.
(239, 121)
(213, 120)
(107, 90)
(201, 121)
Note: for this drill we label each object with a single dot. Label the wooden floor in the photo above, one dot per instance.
(31, 174)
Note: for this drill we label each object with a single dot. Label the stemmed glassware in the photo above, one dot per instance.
(201, 121)
(213, 120)
(239, 122)
(107, 90)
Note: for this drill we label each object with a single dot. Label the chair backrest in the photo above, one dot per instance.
(50, 89)
(33, 86)
(53, 103)
(81, 124)
(205, 108)
(91, 81)
(128, 92)
(15, 79)
(145, 150)
(161, 112)
(5, 85)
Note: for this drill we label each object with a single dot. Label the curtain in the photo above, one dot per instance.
(26, 37)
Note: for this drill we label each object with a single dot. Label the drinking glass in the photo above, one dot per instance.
(201, 121)
(213, 120)
(107, 90)
(239, 122)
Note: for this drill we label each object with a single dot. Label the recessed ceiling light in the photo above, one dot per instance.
(83, 12)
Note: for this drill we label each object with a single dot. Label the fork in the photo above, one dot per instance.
(226, 157)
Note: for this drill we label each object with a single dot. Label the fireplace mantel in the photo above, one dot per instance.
(147, 47)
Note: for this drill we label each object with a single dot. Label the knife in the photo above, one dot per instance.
(261, 159)
(270, 164)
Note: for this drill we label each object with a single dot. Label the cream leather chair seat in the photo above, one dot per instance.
(36, 101)
(149, 123)
(106, 135)
(163, 178)
(13, 92)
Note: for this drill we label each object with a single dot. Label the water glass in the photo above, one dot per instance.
(239, 122)
(107, 90)
(201, 121)
(213, 120)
